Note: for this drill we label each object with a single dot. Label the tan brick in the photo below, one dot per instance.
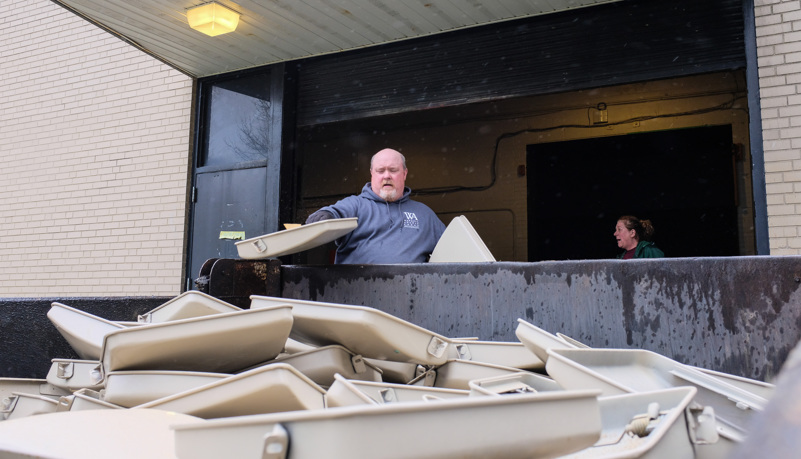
(778, 166)
(778, 187)
(787, 68)
(790, 132)
(775, 199)
(787, 47)
(785, 7)
(772, 81)
(772, 102)
(765, 21)
(783, 150)
(762, 10)
(771, 27)
(766, 3)
(793, 17)
(769, 113)
(781, 210)
(784, 220)
(772, 59)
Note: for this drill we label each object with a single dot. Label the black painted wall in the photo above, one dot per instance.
(30, 341)
(610, 44)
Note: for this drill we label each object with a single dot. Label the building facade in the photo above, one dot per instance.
(101, 140)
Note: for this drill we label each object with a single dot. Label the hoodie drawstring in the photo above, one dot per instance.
(400, 214)
(389, 214)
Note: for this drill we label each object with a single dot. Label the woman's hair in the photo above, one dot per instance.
(643, 229)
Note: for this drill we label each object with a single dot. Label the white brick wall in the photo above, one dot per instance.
(778, 30)
(94, 143)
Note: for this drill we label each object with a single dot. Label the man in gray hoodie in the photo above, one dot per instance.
(392, 228)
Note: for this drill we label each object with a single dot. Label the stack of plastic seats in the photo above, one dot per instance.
(200, 378)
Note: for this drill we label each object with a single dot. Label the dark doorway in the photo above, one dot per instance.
(236, 177)
(682, 180)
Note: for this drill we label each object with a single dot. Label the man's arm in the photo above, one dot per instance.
(344, 208)
(319, 216)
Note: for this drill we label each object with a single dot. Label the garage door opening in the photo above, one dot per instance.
(682, 180)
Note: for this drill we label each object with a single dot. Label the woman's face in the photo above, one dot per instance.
(626, 238)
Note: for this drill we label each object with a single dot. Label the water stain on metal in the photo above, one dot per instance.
(703, 310)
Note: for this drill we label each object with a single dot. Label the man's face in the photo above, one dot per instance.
(388, 177)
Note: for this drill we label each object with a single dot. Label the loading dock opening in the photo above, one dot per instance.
(683, 180)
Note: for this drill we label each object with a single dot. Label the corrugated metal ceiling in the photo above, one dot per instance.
(272, 31)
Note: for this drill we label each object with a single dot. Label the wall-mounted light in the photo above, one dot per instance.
(599, 115)
(212, 19)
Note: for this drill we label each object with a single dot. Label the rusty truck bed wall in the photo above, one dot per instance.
(739, 315)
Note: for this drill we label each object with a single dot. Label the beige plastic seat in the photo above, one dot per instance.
(620, 371)
(513, 383)
(538, 340)
(294, 347)
(321, 364)
(74, 375)
(397, 372)
(504, 353)
(93, 434)
(346, 392)
(460, 243)
(268, 389)
(760, 388)
(85, 399)
(222, 343)
(186, 306)
(464, 427)
(294, 240)
(364, 331)
(20, 405)
(8, 386)
(83, 331)
(132, 388)
(457, 374)
(576, 343)
(648, 424)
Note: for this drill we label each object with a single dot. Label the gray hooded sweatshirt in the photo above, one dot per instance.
(403, 231)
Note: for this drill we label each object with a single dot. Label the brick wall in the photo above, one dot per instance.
(94, 144)
(778, 30)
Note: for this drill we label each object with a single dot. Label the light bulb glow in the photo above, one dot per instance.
(212, 19)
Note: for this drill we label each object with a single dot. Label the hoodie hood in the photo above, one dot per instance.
(368, 193)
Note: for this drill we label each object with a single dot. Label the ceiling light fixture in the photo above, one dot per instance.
(212, 19)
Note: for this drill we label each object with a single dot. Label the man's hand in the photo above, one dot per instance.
(319, 216)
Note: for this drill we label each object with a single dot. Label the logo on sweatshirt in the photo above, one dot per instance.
(410, 220)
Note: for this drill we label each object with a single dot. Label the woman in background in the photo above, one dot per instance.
(634, 237)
